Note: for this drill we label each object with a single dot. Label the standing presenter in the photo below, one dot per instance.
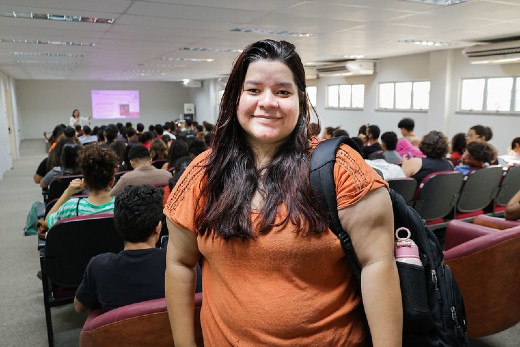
(76, 119)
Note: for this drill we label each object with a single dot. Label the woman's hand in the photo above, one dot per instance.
(76, 186)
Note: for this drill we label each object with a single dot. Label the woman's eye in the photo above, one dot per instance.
(253, 90)
(284, 92)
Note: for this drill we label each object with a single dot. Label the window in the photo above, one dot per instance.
(346, 96)
(497, 94)
(311, 92)
(404, 95)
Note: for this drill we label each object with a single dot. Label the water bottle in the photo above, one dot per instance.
(406, 250)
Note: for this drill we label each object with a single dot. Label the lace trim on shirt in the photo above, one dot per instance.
(354, 170)
(185, 185)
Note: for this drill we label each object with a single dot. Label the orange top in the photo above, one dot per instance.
(282, 288)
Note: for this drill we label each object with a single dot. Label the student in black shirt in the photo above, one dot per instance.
(137, 273)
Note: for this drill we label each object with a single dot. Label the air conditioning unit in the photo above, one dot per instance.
(347, 68)
(494, 53)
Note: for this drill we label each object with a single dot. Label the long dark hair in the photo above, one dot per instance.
(231, 177)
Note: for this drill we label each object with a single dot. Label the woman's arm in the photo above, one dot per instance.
(370, 226)
(512, 211)
(75, 186)
(181, 260)
(411, 166)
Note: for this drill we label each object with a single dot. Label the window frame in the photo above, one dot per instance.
(513, 108)
(411, 97)
(339, 88)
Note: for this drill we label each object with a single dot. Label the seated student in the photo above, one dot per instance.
(179, 148)
(476, 156)
(137, 273)
(98, 166)
(68, 164)
(406, 125)
(339, 132)
(196, 147)
(143, 171)
(435, 146)
(87, 136)
(512, 211)
(378, 161)
(389, 145)
(405, 149)
(372, 145)
(458, 145)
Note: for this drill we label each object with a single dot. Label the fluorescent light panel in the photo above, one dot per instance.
(186, 59)
(48, 54)
(274, 32)
(202, 49)
(427, 43)
(57, 17)
(43, 42)
(438, 2)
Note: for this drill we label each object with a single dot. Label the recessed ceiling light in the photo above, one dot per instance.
(354, 56)
(438, 2)
(201, 49)
(57, 17)
(47, 62)
(186, 59)
(427, 43)
(42, 42)
(49, 54)
(274, 32)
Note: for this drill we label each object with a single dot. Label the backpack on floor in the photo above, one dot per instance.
(433, 308)
(32, 217)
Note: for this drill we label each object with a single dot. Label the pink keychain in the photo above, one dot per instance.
(406, 250)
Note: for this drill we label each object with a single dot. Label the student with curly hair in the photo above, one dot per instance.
(435, 146)
(98, 166)
(476, 156)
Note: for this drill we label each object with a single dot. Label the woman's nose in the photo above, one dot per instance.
(267, 99)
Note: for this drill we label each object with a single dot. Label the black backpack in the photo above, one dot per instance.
(433, 308)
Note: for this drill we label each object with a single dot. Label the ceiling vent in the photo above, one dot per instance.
(495, 53)
(347, 68)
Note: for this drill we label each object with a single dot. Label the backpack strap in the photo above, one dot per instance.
(77, 206)
(322, 183)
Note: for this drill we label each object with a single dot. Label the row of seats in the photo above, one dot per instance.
(447, 195)
(482, 256)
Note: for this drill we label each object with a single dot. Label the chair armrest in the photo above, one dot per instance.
(458, 232)
(494, 222)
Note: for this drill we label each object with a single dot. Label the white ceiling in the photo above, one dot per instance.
(146, 30)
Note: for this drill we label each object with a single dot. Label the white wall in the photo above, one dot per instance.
(8, 148)
(444, 69)
(44, 104)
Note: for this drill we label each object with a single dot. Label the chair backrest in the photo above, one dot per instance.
(437, 194)
(405, 186)
(141, 324)
(58, 186)
(486, 269)
(495, 222)
(479, 189)
(71, 243)
(509, 186)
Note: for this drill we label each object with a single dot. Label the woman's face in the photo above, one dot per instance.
(268, 109)
(76, 114)
(472, 136)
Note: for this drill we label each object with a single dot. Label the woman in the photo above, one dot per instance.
(479, 133)
(98, 166)
(273, 273)
(458, 145)
(76, 119)
(68, 163)
(476, 156)
(435, 146)
(158, 150)
(178, 149)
